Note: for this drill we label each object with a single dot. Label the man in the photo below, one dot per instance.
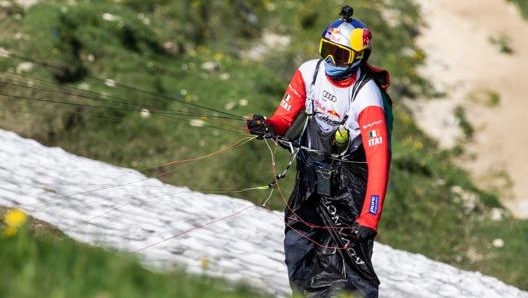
(343, 158)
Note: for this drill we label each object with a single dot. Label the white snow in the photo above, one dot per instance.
(171, 226)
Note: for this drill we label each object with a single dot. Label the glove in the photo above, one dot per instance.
(258, 126)
(362, 233)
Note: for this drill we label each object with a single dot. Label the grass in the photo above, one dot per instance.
(97, 64)
(56, 266)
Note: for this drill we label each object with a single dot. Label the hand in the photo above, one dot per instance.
(362, 233)
(258, 126)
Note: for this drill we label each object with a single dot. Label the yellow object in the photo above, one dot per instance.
(358, 42)
(13, 220)
(204, 263)
(341, 135)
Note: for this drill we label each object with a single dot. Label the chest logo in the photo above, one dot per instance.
(329, 96)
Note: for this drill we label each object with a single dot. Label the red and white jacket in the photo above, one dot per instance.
(366, 124)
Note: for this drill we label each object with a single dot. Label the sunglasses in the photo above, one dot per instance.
(339, 55)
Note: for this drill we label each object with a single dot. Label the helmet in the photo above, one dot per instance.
(346, 42)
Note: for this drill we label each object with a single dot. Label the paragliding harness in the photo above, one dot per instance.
(322, 160)
(331, 186)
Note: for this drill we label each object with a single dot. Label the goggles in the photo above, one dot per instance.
(339, 55)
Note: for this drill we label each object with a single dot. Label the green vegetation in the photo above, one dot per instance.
(109, 61)
(485, 97)
(523, 6)
(467, 129)
(96, 65)
(35, 265)
(503, 43)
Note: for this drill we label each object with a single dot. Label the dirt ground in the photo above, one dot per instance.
(478, 55)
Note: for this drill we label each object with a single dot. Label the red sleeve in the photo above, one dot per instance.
(377, 150)
(291, 105)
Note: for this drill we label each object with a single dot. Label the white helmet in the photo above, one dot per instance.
(346, 41)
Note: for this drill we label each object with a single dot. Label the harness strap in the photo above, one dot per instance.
(355, 90)
(312, 85)
(316, 71)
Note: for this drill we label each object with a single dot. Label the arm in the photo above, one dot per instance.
(377, 150)
(291, 105)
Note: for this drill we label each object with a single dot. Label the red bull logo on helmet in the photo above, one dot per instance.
(360, 39)
(334, 34)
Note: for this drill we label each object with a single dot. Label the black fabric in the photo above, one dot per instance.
(319, 228)
(325, 252)
(362, 233)
(318, 140)
(258, 126)
(297, 127)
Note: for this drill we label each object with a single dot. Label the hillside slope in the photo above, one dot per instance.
(170, 226)
(478, 56)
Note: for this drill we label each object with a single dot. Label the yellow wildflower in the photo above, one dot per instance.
(204, 263)
(13, 220)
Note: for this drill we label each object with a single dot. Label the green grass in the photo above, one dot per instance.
(523, 6)
(37, 265)
(92, 75)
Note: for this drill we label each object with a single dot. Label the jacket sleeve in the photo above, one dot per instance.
(374, 135)
(291, 105)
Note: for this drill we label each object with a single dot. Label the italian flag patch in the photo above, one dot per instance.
(374, 133)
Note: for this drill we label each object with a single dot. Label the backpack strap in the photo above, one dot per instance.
(312, 85)
(362, 80)
(316, 71)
